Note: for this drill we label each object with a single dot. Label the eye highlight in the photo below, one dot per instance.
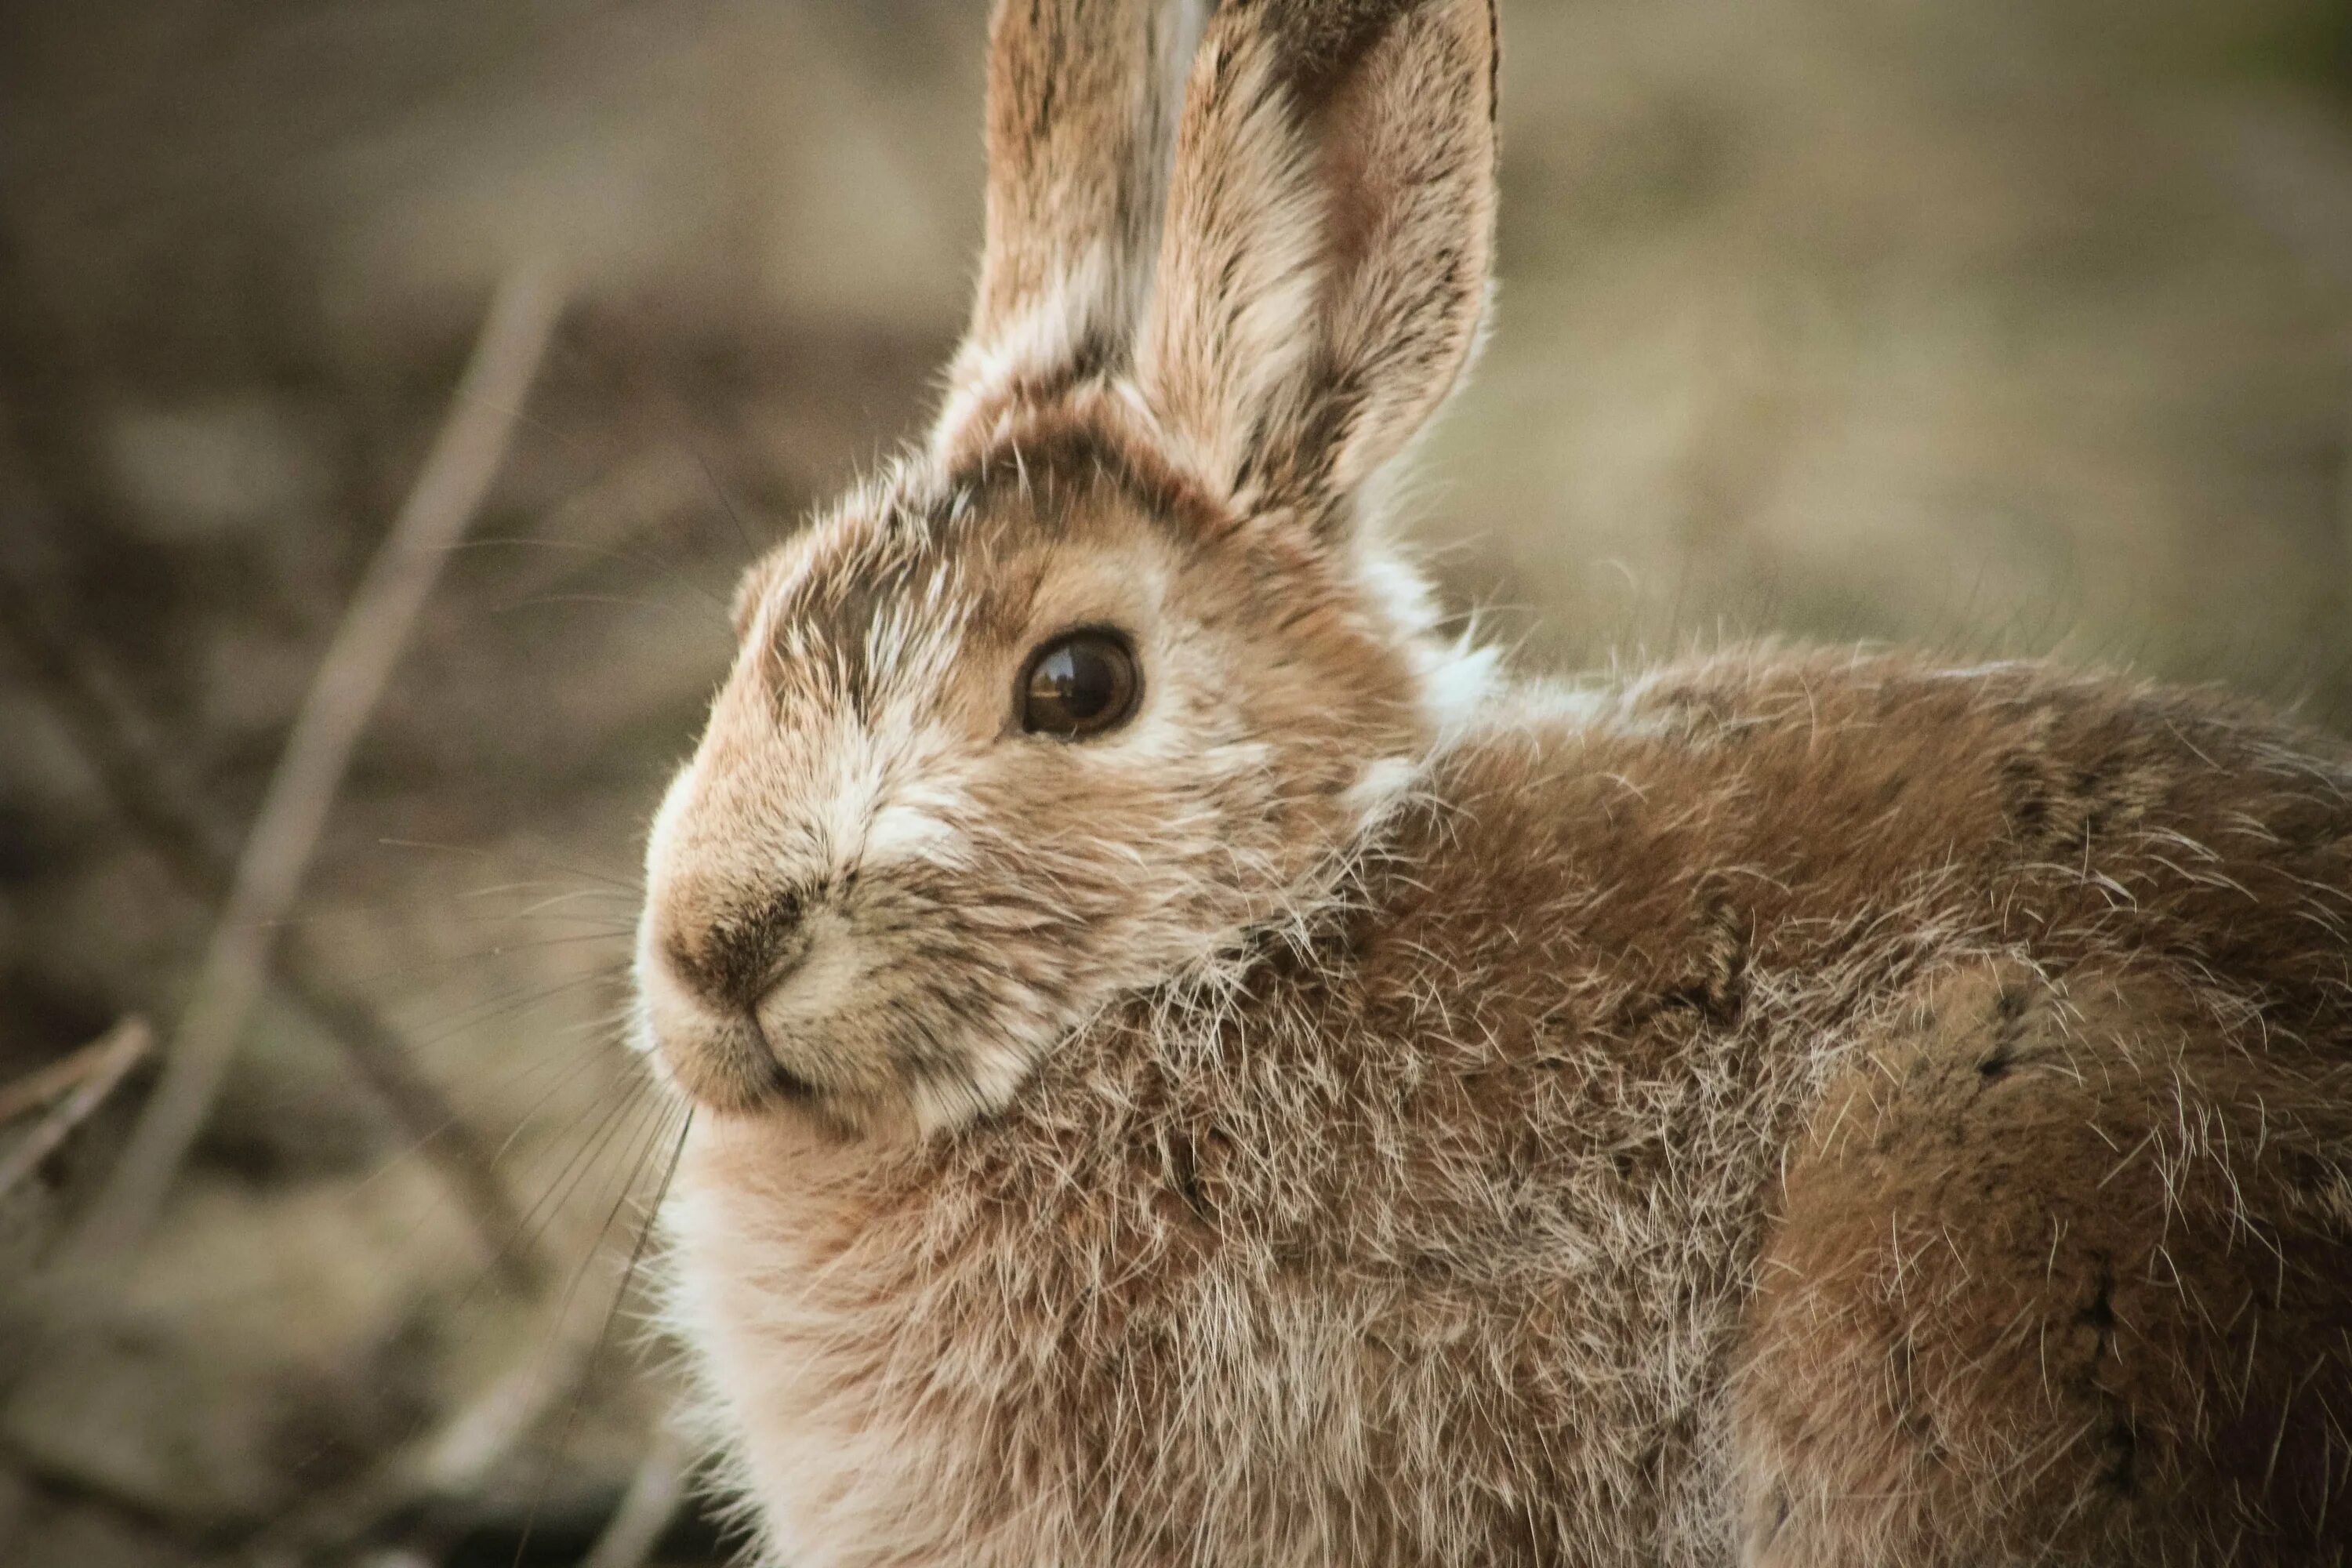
(1079, 685)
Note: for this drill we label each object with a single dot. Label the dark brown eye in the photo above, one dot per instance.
(1079, 684)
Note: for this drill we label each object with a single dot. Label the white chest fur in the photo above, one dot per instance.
(795, 1361)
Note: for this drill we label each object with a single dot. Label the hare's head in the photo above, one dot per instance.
(1113, 669)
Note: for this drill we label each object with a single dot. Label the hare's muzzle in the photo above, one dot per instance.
(716, 991)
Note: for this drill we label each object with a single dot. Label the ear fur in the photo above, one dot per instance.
(1324, 267)
(1083, 98)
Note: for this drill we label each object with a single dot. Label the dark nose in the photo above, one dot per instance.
(733, 956)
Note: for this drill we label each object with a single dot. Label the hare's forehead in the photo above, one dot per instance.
(897, 586)
(857, 610)
(844, 732)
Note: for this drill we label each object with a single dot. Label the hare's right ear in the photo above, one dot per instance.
(1083, 97)
(1329, 238)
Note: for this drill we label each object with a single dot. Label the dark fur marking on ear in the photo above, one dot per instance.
(1323, 42)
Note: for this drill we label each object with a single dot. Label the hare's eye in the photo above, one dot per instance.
(1080, 684)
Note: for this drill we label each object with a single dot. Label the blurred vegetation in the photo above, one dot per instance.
(2021, 326)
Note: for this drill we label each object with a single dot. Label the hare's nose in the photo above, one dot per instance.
(732, 957)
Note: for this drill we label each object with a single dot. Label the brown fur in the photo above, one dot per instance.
(1729, 1120)
(1785, 1108)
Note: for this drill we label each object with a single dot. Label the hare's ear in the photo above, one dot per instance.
(1083, 97)
(1324, 270)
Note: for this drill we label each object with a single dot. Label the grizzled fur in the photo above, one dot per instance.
(1784, 1108)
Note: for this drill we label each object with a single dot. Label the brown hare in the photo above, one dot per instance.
(1193, 1064)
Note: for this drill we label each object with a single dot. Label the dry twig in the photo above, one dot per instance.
(42, 1085)
(465, 458)
(96, 1070)
(119, 741)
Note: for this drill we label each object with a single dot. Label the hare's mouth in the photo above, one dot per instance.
(784, 1083)
(729, 1059)
(728, 1066)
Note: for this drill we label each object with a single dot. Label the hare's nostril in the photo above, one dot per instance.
(737, 957)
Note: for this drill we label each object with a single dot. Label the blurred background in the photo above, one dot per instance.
(2005, 326)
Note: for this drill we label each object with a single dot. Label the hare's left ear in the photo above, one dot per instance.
(1324, 267)
(1083, 97)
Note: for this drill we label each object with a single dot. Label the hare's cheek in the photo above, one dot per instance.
(909, 832)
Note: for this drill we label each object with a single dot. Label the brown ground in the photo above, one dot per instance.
(2017, 325)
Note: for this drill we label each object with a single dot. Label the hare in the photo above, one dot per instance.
(1192, 1064)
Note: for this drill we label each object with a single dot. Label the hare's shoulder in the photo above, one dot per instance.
(1786, 801)
(1804, 779)
(1817, 759)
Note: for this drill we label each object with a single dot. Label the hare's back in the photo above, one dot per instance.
(2060, 1270)
(1836, 822)
(2045, 984)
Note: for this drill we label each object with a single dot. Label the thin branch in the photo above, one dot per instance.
(52, 421)
(466, 457)
(198, 849)
(651, 1500)
(105, 1065)
(39, 1087)
(481, 1437)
